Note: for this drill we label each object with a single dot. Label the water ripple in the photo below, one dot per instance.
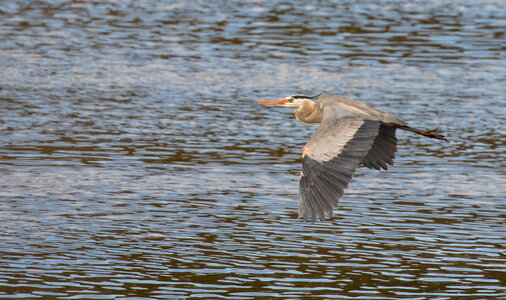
(134, 161)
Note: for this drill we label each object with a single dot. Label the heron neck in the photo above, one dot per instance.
(308, 113)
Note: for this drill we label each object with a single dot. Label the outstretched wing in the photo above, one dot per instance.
(383, 149)
(330, 158)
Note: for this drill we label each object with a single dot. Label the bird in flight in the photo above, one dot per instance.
(350, 133)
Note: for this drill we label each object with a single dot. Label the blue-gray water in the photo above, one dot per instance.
(135, 162)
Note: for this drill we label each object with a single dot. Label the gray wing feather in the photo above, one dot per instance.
(359, 108)
(383, 149)
(338, 146)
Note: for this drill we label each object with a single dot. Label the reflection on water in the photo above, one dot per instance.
(135, 162)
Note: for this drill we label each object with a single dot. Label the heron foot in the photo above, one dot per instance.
(434, 133)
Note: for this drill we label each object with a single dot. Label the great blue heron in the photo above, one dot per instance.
(350, 133)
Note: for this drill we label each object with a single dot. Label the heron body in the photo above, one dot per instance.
(350, 134)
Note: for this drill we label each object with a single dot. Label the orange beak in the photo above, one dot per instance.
(273, 102)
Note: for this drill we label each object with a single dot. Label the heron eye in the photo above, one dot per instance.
(290, 100)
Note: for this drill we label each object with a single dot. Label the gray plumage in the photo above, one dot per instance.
(350, 133)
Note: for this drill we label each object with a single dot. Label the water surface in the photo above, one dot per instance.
(134, 161)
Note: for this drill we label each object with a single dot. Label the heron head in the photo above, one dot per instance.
(290, 101)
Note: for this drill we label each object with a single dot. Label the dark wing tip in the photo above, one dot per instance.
(323, 182)
(382, 152)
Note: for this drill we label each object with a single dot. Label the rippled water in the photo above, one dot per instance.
(134, 161)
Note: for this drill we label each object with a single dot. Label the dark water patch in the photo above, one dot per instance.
(134, 161)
